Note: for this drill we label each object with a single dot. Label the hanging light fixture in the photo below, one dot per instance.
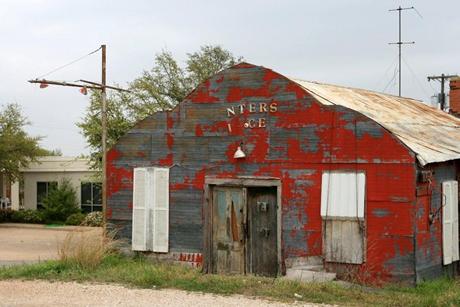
(84, 90)
(239, 153)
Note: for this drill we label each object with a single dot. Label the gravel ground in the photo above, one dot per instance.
(42, 293)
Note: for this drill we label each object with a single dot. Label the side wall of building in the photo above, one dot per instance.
(429, 254)
(296, 143)
(31, 179)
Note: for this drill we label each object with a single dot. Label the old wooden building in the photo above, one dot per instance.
(255, 173)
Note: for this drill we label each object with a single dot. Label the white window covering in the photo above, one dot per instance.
(151, 209)
(342, 210)
(450, 221)
(160, 206)
(342, 194)
(140, 210)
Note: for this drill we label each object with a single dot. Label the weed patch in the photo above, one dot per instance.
(142, 273)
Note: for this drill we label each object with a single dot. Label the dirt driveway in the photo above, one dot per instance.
(42, 293)
(28, 243)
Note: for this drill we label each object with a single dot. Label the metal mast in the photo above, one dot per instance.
(399, 42)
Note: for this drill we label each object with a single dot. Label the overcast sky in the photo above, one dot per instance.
(339, 42)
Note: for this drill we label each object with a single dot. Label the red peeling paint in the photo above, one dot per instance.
(198, 130)
(167, 161)
(169, 140)
(302, 140)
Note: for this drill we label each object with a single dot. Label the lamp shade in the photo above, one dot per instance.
(239, 153)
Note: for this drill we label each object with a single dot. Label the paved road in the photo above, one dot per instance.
(27, 243)
(41, 293)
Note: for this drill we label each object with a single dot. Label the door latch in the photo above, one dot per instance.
(262, 206)
(264, 232)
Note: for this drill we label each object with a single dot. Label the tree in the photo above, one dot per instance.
(61, 202)
(17, 148)
(158, 89)
(118, 122)
(46, 152)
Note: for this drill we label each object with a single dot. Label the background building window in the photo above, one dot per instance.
(91, 196)
(43, 189)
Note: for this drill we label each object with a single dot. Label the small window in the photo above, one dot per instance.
(342, 211)
(43, 189)
(91, 196)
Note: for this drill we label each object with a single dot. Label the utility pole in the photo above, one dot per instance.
(399, 42)
(103, 88)
(104, 134)
(442, 78)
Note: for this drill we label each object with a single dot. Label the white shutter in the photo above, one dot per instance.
(160, 210)
(140, 210)
(450, 221)
(455, 242)
(342, 194)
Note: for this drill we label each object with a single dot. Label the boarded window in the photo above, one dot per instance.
(151, 209)
(342, 210)
(450, 221)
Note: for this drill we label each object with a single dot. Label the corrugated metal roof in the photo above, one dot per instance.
(433, 135)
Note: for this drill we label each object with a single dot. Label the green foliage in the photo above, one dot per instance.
(17, 148)
(45, 152)
(75, 219)
(157, 89)
(141, 273)
(5, 215)
(93, 219)
(60, 203)
(28, 216)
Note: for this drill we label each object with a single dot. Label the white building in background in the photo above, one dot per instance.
(40, 177)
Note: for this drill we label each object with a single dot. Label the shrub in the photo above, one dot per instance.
(75, 219)
(60, 203)
(5, 215)
(94, 219)
(27, 216)
(87, 249)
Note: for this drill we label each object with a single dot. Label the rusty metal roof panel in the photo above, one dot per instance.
(433, 135)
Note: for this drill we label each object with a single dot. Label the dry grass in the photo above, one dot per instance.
(87, 249)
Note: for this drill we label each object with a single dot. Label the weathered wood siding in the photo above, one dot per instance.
(301, 140)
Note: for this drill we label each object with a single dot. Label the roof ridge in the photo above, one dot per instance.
(354, 88)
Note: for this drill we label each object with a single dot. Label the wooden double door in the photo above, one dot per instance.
(244, 230)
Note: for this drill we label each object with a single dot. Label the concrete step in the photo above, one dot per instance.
(308, 275)
(315, 268)
(303, 261)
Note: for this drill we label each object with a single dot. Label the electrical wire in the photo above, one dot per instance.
(391, 80)
(416, 78)
(386, 72)
(68, 64)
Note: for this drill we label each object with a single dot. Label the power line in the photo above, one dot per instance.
(68, 64)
